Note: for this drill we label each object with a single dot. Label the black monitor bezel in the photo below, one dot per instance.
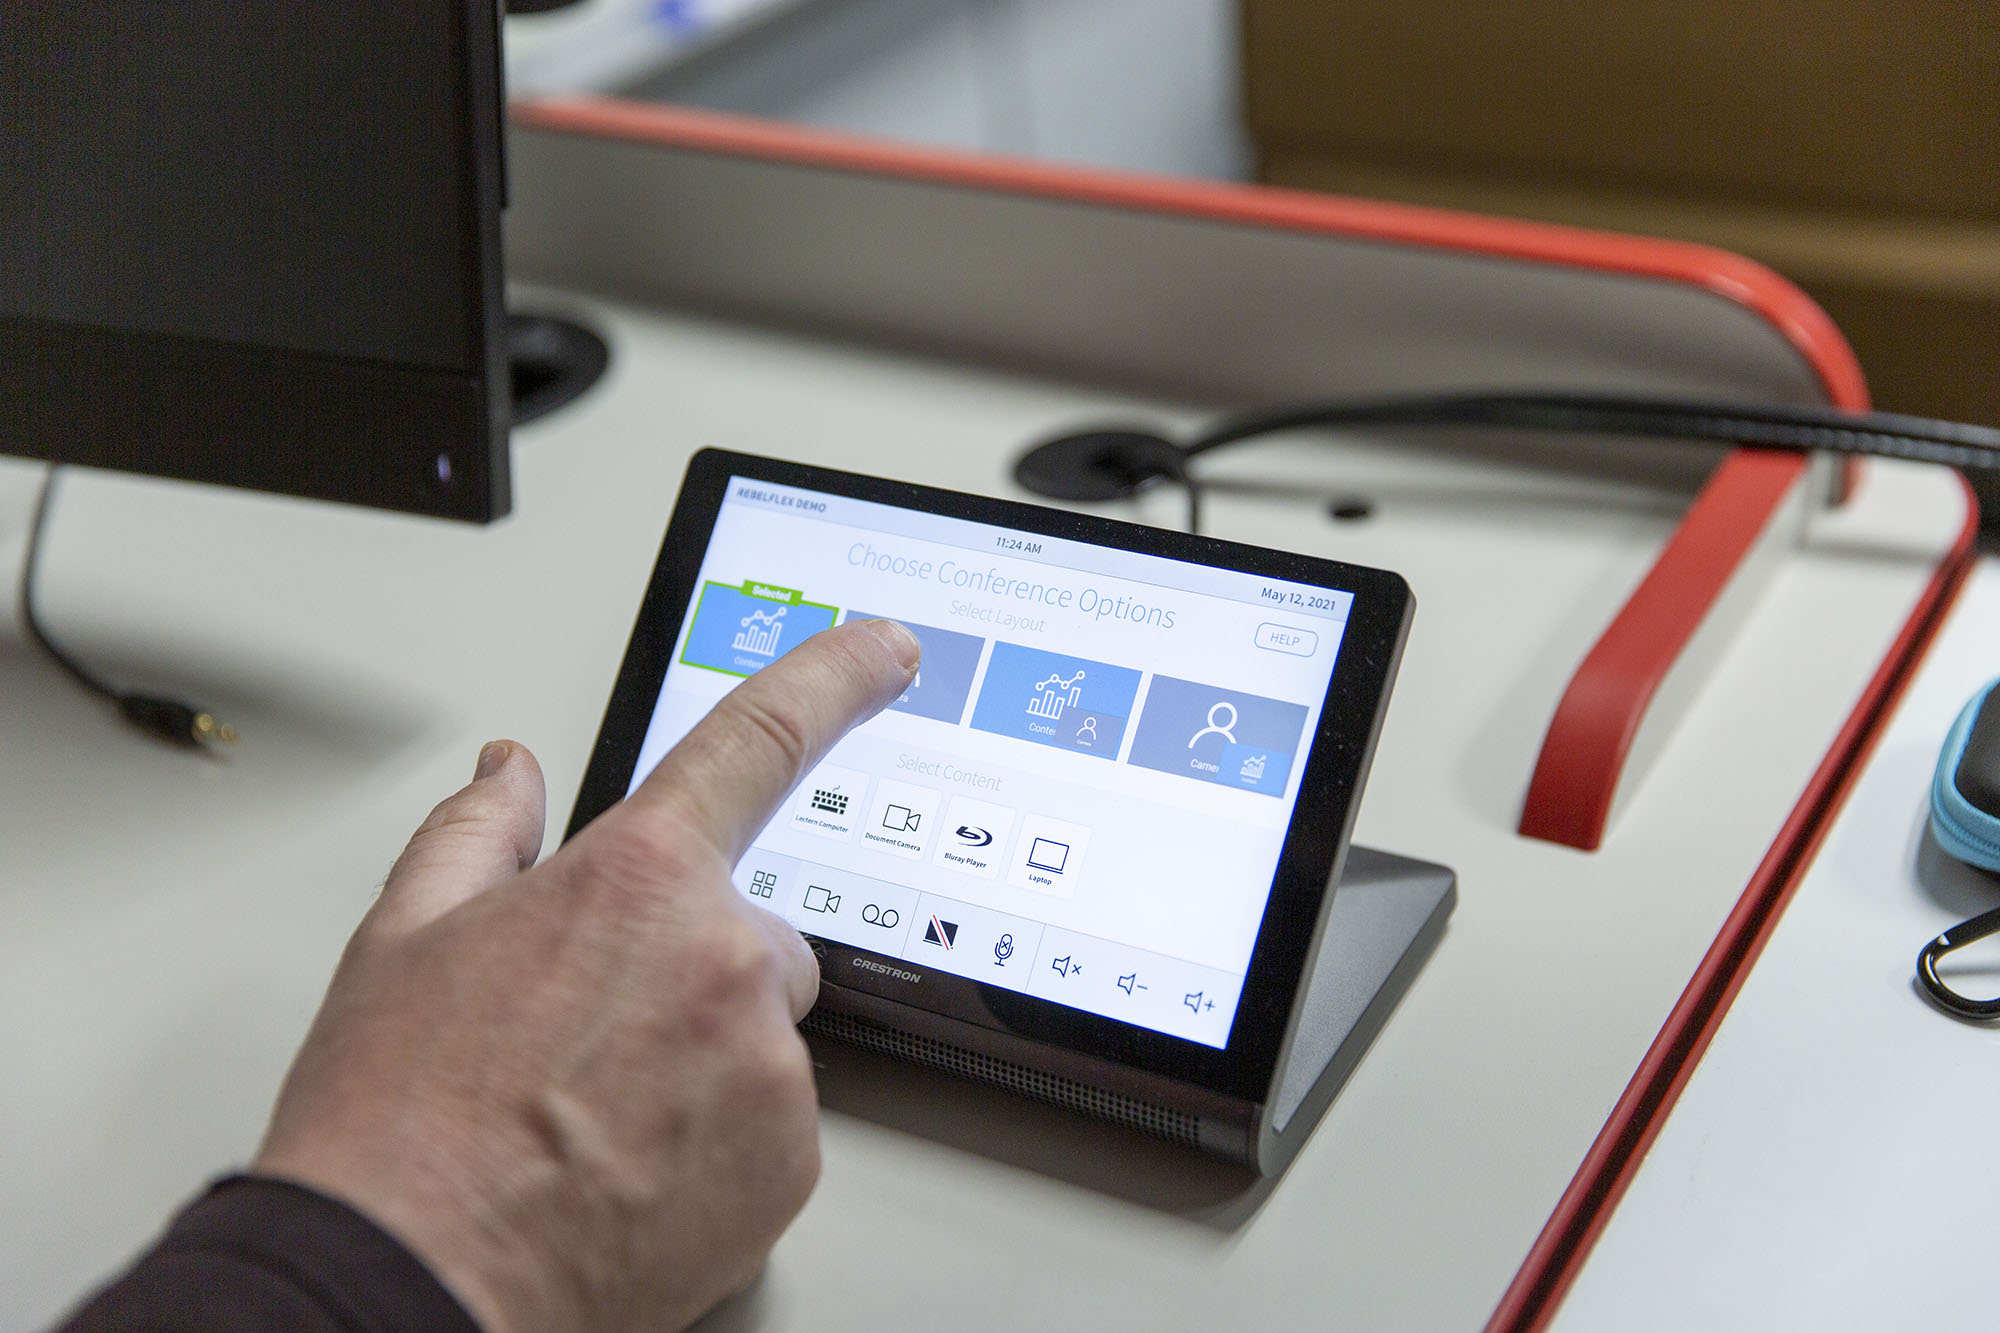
(314, 425)
(1335, 768)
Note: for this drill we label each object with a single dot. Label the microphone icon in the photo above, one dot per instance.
(1003, 951)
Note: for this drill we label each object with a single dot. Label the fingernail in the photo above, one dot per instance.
(898, 641)
(490, 760)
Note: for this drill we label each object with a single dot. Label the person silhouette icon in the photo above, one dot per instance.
(1226, 730)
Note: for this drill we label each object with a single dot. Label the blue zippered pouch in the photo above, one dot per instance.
(1965, 791)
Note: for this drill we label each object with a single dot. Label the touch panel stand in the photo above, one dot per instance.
(1387, 914)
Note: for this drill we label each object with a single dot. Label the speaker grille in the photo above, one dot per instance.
(1133, 1112)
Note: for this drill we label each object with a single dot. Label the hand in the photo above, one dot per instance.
(576, 1091)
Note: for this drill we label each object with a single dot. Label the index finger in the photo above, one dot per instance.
(727, 776)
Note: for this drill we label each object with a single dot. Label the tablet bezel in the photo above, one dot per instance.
(1335, 769)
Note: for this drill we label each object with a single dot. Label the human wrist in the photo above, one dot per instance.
(474, 1245)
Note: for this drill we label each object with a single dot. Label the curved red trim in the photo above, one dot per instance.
(1585, 1208)
(1733, 277)
(1570, 795)
(1584, 751)
(1619, 675)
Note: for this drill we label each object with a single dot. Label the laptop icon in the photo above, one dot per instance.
(1048, 854)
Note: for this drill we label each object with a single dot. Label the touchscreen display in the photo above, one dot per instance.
(1083, 794)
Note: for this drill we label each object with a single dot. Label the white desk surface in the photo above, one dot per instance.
(1831, 1163)
(167, 923)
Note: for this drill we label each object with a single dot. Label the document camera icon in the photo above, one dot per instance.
(900, 819)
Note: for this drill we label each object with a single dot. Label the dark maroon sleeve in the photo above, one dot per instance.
(257, 1254)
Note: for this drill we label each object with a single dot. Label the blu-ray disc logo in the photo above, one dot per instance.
(973, 836)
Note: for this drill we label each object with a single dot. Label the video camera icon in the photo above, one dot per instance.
(901, 819)
(818, 899)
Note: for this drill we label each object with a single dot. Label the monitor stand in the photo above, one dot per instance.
(552, 361)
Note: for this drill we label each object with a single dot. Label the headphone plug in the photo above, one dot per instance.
(174, 721)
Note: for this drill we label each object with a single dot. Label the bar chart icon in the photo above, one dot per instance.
(759, 632)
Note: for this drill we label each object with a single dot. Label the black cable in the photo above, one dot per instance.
(35, 631)
(1887, 434)
(1193, 488)
(1115, 462)
(168, 718)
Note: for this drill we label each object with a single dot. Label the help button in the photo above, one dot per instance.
(1286, 639)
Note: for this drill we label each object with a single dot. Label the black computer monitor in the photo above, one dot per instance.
(258, 245)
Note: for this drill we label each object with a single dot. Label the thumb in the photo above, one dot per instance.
(489, 830)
